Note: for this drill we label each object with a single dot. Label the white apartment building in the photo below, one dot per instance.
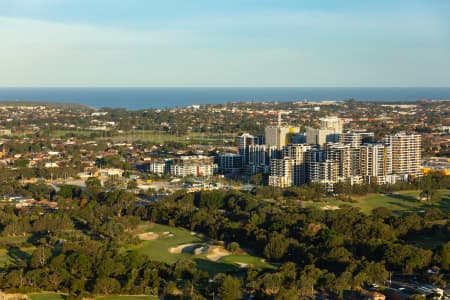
(193, 166)
(281, 172)
(341, 155)
(298, 153)
(259, 158)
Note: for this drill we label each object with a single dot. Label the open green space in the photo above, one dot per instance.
(243, 260)
(14, 254)
(398, 202)
(72, 132)
(46, 296)
(54, 296)
(13, 240)
(148, 135)
(127, 298)
(14, 249)
(170, 237)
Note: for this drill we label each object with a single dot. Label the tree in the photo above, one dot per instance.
(375, 271)
(16, 226)
(93, 188)
(289, 272)
(433, 214)
(308, 278)
(230, 288)
(106, 285)
(287, 294)
(15, 279)
(445, 257)
(271, 283)
(429, 191)
(276, 247)
(233, 247)
(68, 191)
(119, 200)
(343, 282)
(407, 258)
(381, 212)
(40, 256)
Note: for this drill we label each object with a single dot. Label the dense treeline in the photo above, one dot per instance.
(340, 244)
(80, 249)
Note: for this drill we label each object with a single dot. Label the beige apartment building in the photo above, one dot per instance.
(406, 154)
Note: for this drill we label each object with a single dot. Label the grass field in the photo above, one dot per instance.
(78, 133)
(149, 135)
(158, 250)
(126, 298)
(46, 296)
(51, 296)
(13, 240)
(249, 260)
(12, 254)
(398, 202)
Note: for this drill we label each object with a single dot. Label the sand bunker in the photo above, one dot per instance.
(217, 252)
(242, 265)
(330, 207)
(185, 248)
(201, 250)
(168, 234)
(148, 236)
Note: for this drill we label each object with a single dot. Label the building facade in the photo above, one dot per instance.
(406, 153)
(281, 172)
(193, 166)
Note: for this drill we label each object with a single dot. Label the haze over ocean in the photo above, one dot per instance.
(143, 98)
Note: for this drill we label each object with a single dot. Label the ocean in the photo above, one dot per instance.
(144, 98)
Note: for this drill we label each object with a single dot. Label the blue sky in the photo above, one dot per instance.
(224, 43)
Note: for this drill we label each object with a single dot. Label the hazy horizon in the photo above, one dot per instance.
(223, 87)
(245, 43)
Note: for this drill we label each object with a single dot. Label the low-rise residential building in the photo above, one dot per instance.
(193, 166)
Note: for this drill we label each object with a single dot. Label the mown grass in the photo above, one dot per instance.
(245, 259)
(397, 202)
(13, 240)
(54, 296)
(148, 135)
(11, 255)
(158, 250)
(46, 296)
(126, 298)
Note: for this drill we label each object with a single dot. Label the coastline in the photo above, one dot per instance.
(160, 98)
